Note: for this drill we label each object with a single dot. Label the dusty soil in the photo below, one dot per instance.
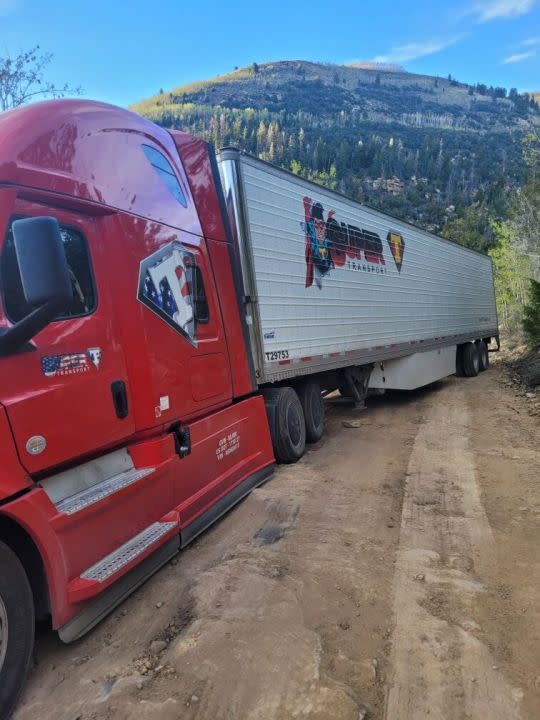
(393, 573)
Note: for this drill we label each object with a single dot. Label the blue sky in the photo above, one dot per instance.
(123, 52)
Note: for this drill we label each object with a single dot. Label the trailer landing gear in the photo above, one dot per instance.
(353, 383)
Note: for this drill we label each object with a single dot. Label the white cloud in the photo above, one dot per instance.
(493, 9)
(518, 57)
(530, 42)
(8, 6)
(411, 51)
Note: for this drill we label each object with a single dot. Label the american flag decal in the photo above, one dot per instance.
(70, 364)
(164, 287)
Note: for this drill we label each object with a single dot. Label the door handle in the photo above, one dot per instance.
(182, 439)
(120, 398)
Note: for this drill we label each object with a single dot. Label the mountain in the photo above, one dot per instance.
(423, 148)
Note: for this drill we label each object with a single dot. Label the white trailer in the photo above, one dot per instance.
(332, 285)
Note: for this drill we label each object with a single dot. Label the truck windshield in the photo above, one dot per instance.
(84, 300)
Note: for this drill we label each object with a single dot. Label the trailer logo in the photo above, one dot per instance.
(165, 287)
(332, 244)
(318, 257)
(396, 243)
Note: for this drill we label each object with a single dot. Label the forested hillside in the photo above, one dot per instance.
(456, 159)
(430, 150)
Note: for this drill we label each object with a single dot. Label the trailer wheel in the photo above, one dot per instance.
(471, 360)
(287, 424)
(16, 629)
(313, 407)
(460, 372)
(483, 356)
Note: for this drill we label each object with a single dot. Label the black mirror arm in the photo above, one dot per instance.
(15, 337)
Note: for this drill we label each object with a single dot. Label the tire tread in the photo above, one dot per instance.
(18, 599)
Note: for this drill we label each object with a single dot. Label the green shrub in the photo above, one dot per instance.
(531, 315)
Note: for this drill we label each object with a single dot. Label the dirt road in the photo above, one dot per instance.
(393, 573)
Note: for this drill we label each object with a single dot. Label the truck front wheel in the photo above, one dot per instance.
(313, 407)
(287, 424)
(16, 629)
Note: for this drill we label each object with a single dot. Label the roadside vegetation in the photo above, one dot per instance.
(23, 79)
(516, 255)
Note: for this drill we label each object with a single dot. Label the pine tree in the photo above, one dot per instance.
(531, 315)
(512, 268)
(261, 136)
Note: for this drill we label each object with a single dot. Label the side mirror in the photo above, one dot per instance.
(42, 262)
(45, 278)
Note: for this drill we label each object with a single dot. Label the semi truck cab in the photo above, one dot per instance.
(128, 419)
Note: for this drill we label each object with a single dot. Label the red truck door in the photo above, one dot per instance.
(70, 395)
(172, 325)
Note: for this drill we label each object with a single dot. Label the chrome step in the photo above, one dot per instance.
(127, 552)
(95, 493)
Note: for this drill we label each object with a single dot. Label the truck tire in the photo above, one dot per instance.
(471, 360)
(483, 356)
(288, 428)
(459, 361)
(313, 407)
(16, 629)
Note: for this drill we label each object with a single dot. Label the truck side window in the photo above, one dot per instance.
(84, 297)
(198, 294)
(166, 173)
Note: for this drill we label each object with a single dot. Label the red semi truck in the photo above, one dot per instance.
(154, 363)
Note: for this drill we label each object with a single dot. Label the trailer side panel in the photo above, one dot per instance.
(334, 283)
